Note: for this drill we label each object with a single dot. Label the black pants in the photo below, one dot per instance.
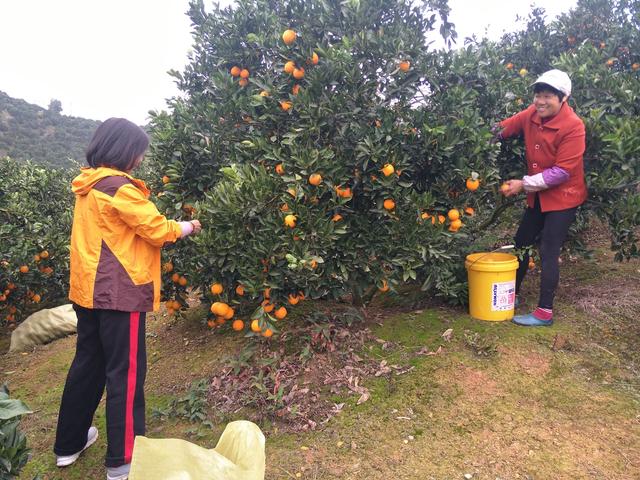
(551, 229)
(110, 351)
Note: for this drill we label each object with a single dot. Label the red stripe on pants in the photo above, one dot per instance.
(132, 374)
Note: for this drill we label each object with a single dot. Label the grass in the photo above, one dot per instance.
(528, 410)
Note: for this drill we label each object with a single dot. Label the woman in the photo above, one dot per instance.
(554, 139)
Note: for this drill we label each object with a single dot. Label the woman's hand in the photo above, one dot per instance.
(512, 187)
(197, 228)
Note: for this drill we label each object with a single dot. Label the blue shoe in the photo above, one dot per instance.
(530, 321)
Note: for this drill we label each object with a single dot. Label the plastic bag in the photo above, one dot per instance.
(43, 327)
(239, 455)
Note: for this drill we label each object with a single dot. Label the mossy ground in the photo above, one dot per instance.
(551, 403)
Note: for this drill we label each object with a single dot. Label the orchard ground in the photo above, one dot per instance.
(496, 401)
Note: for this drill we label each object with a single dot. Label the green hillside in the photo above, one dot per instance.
(47, 137)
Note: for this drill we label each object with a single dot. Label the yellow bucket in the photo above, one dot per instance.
(492, 285)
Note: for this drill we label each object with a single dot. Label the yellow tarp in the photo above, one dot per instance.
(239, 455)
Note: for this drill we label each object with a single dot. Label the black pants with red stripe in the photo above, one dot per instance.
(110, 351)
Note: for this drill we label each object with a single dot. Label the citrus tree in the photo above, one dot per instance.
(35, 225)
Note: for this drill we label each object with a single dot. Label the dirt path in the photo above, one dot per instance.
(495, 402)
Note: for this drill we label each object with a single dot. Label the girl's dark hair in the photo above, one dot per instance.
(545, 87)
(117, 143)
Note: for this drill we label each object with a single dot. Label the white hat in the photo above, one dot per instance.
(557, 79)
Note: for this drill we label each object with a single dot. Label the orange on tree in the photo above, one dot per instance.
(472, 184)
(336, 218)
(504, 188)
(44, 254)
(219, 309)
(313, 264)
(389, 204)
(453, 214)
(264, 93)
(295, 89)
(230, 313)
(267, 306)
(293, 299)
(284, 207)
(509, 66)
(244, 73)
(289, 67)
(240, 290)
(315, 179)
(211, 323)
(235, 71)
(285, 105)
(523, 72)
(167, 267)
(255, 326)
(298, 73)
(314, 59)
(280, 313)
(469, 211)
(217, 288)
(267, 292)
(404, 65)
(289, 36)
(237, 325)
(268, 333)
(182, 281)
(455, 225)
(36, 258)
(243, 82)
(384, 287)
(290, 220)
(280, 169)
(441, 219)
(166, 179)
(24, 269)
(36, 298)
(175, 278)
(387, 170)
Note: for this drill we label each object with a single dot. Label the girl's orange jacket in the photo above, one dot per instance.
(116, 239)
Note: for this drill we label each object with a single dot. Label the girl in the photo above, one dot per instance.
(116, 239)
(554, 138)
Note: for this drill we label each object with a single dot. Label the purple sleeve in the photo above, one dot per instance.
(187, 228)
(555, 176)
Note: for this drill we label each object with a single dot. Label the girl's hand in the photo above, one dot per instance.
(196, 227)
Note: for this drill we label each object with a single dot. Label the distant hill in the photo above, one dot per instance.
(30, 132)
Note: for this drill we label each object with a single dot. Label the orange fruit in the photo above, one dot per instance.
(610, 63)
(175, 278)
(230, 313)
(267, 292)
(441, 218)
(211, 323)
(384, 286)
(244, 73)
(455, 225)
(296, 89)
(220, 309)
(523, 72)
(216, 288)
(469, 211)
(279, 169)
(289, 67)
(286, 105)
(267, 333)
(237, 325)
(298, 73)
(167, 267)
(284, 207)
(36, 298)
(336, 218)
(280, 313)
(453, 214)
(235, 71)
(267, 306)
(301, 295)
(313, 264)
(240, 290)
(404, 66)
(36, 258)
(255, 326)
(24, 269)
(243, 82)
(289, 36)
(472, 184)
(182, 281)
(389, 204)
(264, 93)
(293, 299)
(165, 179)
(387, 170)
(292, 192)
(504, 188)
(509, 66)
(290, 220)
(315, 179)
(44, 254)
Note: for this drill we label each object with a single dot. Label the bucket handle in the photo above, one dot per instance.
(504, 247)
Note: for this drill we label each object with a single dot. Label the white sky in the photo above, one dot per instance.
(106, 58)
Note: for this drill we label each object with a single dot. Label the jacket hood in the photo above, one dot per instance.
(83, 183)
